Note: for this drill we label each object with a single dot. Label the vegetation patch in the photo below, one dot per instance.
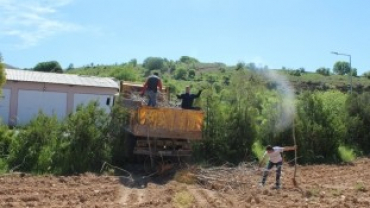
(346, 154)
(183, 199)
(360, 186)
(185, 176)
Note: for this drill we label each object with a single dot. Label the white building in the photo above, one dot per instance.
(27, 92)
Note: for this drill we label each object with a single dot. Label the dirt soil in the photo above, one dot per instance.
(318, 186)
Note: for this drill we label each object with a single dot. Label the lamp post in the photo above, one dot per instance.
(350, 67)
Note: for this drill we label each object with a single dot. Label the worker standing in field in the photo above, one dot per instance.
(151, 86)
(275, 159)
(188, 99)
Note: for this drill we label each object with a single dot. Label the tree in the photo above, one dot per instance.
(152, 63)
(70, 67)
(2, 72)
(323, 71)
(181, 73)
(251, 66)
(49, 66)
(188, 60)
(341, 68)
(191, 73)
(240, 66)
(133, 62)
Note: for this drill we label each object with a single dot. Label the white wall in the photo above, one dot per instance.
(30, 102)
(86, 98)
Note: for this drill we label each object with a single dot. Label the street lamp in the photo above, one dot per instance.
(350, 67)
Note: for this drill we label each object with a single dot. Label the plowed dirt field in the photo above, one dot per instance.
(318, 186)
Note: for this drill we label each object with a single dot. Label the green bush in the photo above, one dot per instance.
(258, 150)
(85, 145)
(346, 154)
(358, 121)
(117, 134)
(126, 73)
(3, 166)
(28, 150)
(318, 129)
(181, 74)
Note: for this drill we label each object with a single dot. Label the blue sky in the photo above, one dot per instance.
(276, 33)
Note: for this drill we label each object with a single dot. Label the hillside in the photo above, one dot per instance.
(219, 72)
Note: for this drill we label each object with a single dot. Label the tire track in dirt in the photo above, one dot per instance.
(209, 198)
(199, 200)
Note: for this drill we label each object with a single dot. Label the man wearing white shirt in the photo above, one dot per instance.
(275, 159)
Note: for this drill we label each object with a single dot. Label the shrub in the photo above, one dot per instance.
(181, 74)
(152, 63)
(3, 166)
(258, 150)
(85, 146)
(127, 73)
(117, 134)
(346, 154)
(35, 146)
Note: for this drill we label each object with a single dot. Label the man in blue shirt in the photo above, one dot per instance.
(188, 99)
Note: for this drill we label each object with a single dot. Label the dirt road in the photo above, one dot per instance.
(319, 186)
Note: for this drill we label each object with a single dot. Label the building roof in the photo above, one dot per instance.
(56, 78)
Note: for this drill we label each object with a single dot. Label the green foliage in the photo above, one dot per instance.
(188, 60)
(258, 150)
(85, 146)
(70, 67)
(317, 130)
(367, 75)
(117, 134)
(240, 66)
(211, 78)
(3, 166)
(217, 87)
(346, 154)
(360, 186)
(126, 73)
(49, 66)
(295, 72)
(6, 138)
(323, 71)
(191, 73)
(181, 74)
(152, 63)
(358, 120)
(243, 111)
(35, 146)
(341, 68)
(133, 62)
(83, 142)
(230, 127)
(2, 73)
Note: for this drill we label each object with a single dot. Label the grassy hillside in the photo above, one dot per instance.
(179, 74)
